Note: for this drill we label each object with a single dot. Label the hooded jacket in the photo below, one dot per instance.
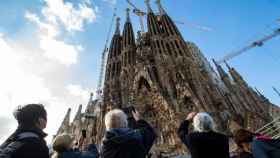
(128, 143)
(266, 148)
(204, 144)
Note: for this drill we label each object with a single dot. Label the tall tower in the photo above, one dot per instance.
(112, 92)
(128, 58)
(164, 79)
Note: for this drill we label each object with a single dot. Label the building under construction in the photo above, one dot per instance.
(165, 77)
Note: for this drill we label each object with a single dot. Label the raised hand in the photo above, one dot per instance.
(191, 116)
(136, 115)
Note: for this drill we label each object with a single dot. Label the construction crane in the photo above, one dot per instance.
(141, 15)
(99, 90)
(258, 43)
(277, 92)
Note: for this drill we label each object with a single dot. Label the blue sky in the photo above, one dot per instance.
(63, 56)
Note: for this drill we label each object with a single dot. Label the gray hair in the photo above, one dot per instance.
(115, 119)
(203, 122)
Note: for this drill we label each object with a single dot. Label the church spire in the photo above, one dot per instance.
(118, 26)
(168, 25)
(128, 42)
(223, 75)
(148, 6)
(153, 26)
(128, 34)
(66, 123)
(79, 113)
(160, 8)
(127, 15)
(236, 76)
(221, 71)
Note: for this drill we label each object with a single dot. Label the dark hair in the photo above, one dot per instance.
(29, 114)
(243, 136)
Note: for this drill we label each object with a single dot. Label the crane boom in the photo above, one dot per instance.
(257, 43)
(103, 58)
(276, 91)
(141, 14)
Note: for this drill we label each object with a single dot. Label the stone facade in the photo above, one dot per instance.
(164, 77)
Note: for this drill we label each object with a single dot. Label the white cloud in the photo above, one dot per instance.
(21, 84)
(78, 90)
(37, 70)
(58, 50)
(57, 16)
(72, 18)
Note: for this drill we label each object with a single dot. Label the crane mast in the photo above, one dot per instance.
(277, 92)
(103, 59)
(139, 13)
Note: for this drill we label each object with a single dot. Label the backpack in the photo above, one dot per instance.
(11, 147)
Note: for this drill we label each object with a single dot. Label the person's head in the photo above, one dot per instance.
(115, 119)
(243, 138)
(31, 115)
(203, 122)
(62, 143)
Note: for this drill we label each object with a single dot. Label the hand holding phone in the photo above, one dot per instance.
(136, 115)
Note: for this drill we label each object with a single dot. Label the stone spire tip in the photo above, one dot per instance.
(127, 15)
(118, 19)
(160, 8)
(148, 6)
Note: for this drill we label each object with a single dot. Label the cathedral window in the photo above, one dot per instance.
(174, 48)
(168, 49)
(113, 70)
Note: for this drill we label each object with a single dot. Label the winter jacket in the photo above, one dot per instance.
(266, 148)
(244, 155)
(128, 143)
(25, 143)
(91, 152)
(204, 144)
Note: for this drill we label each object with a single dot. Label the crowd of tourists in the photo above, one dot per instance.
(121, 141)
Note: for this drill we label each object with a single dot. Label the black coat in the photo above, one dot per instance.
(204, 144)
(266, 148)
(91, 152)
(128, 143)
(20, 145)
(244, 155)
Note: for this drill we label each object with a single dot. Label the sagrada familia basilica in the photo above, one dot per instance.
(164, 77)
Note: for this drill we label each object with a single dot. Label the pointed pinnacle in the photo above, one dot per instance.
(148, 6)
(127, 15)
(160, 8)
(227, 65)
(118, 26)
(214, 61)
